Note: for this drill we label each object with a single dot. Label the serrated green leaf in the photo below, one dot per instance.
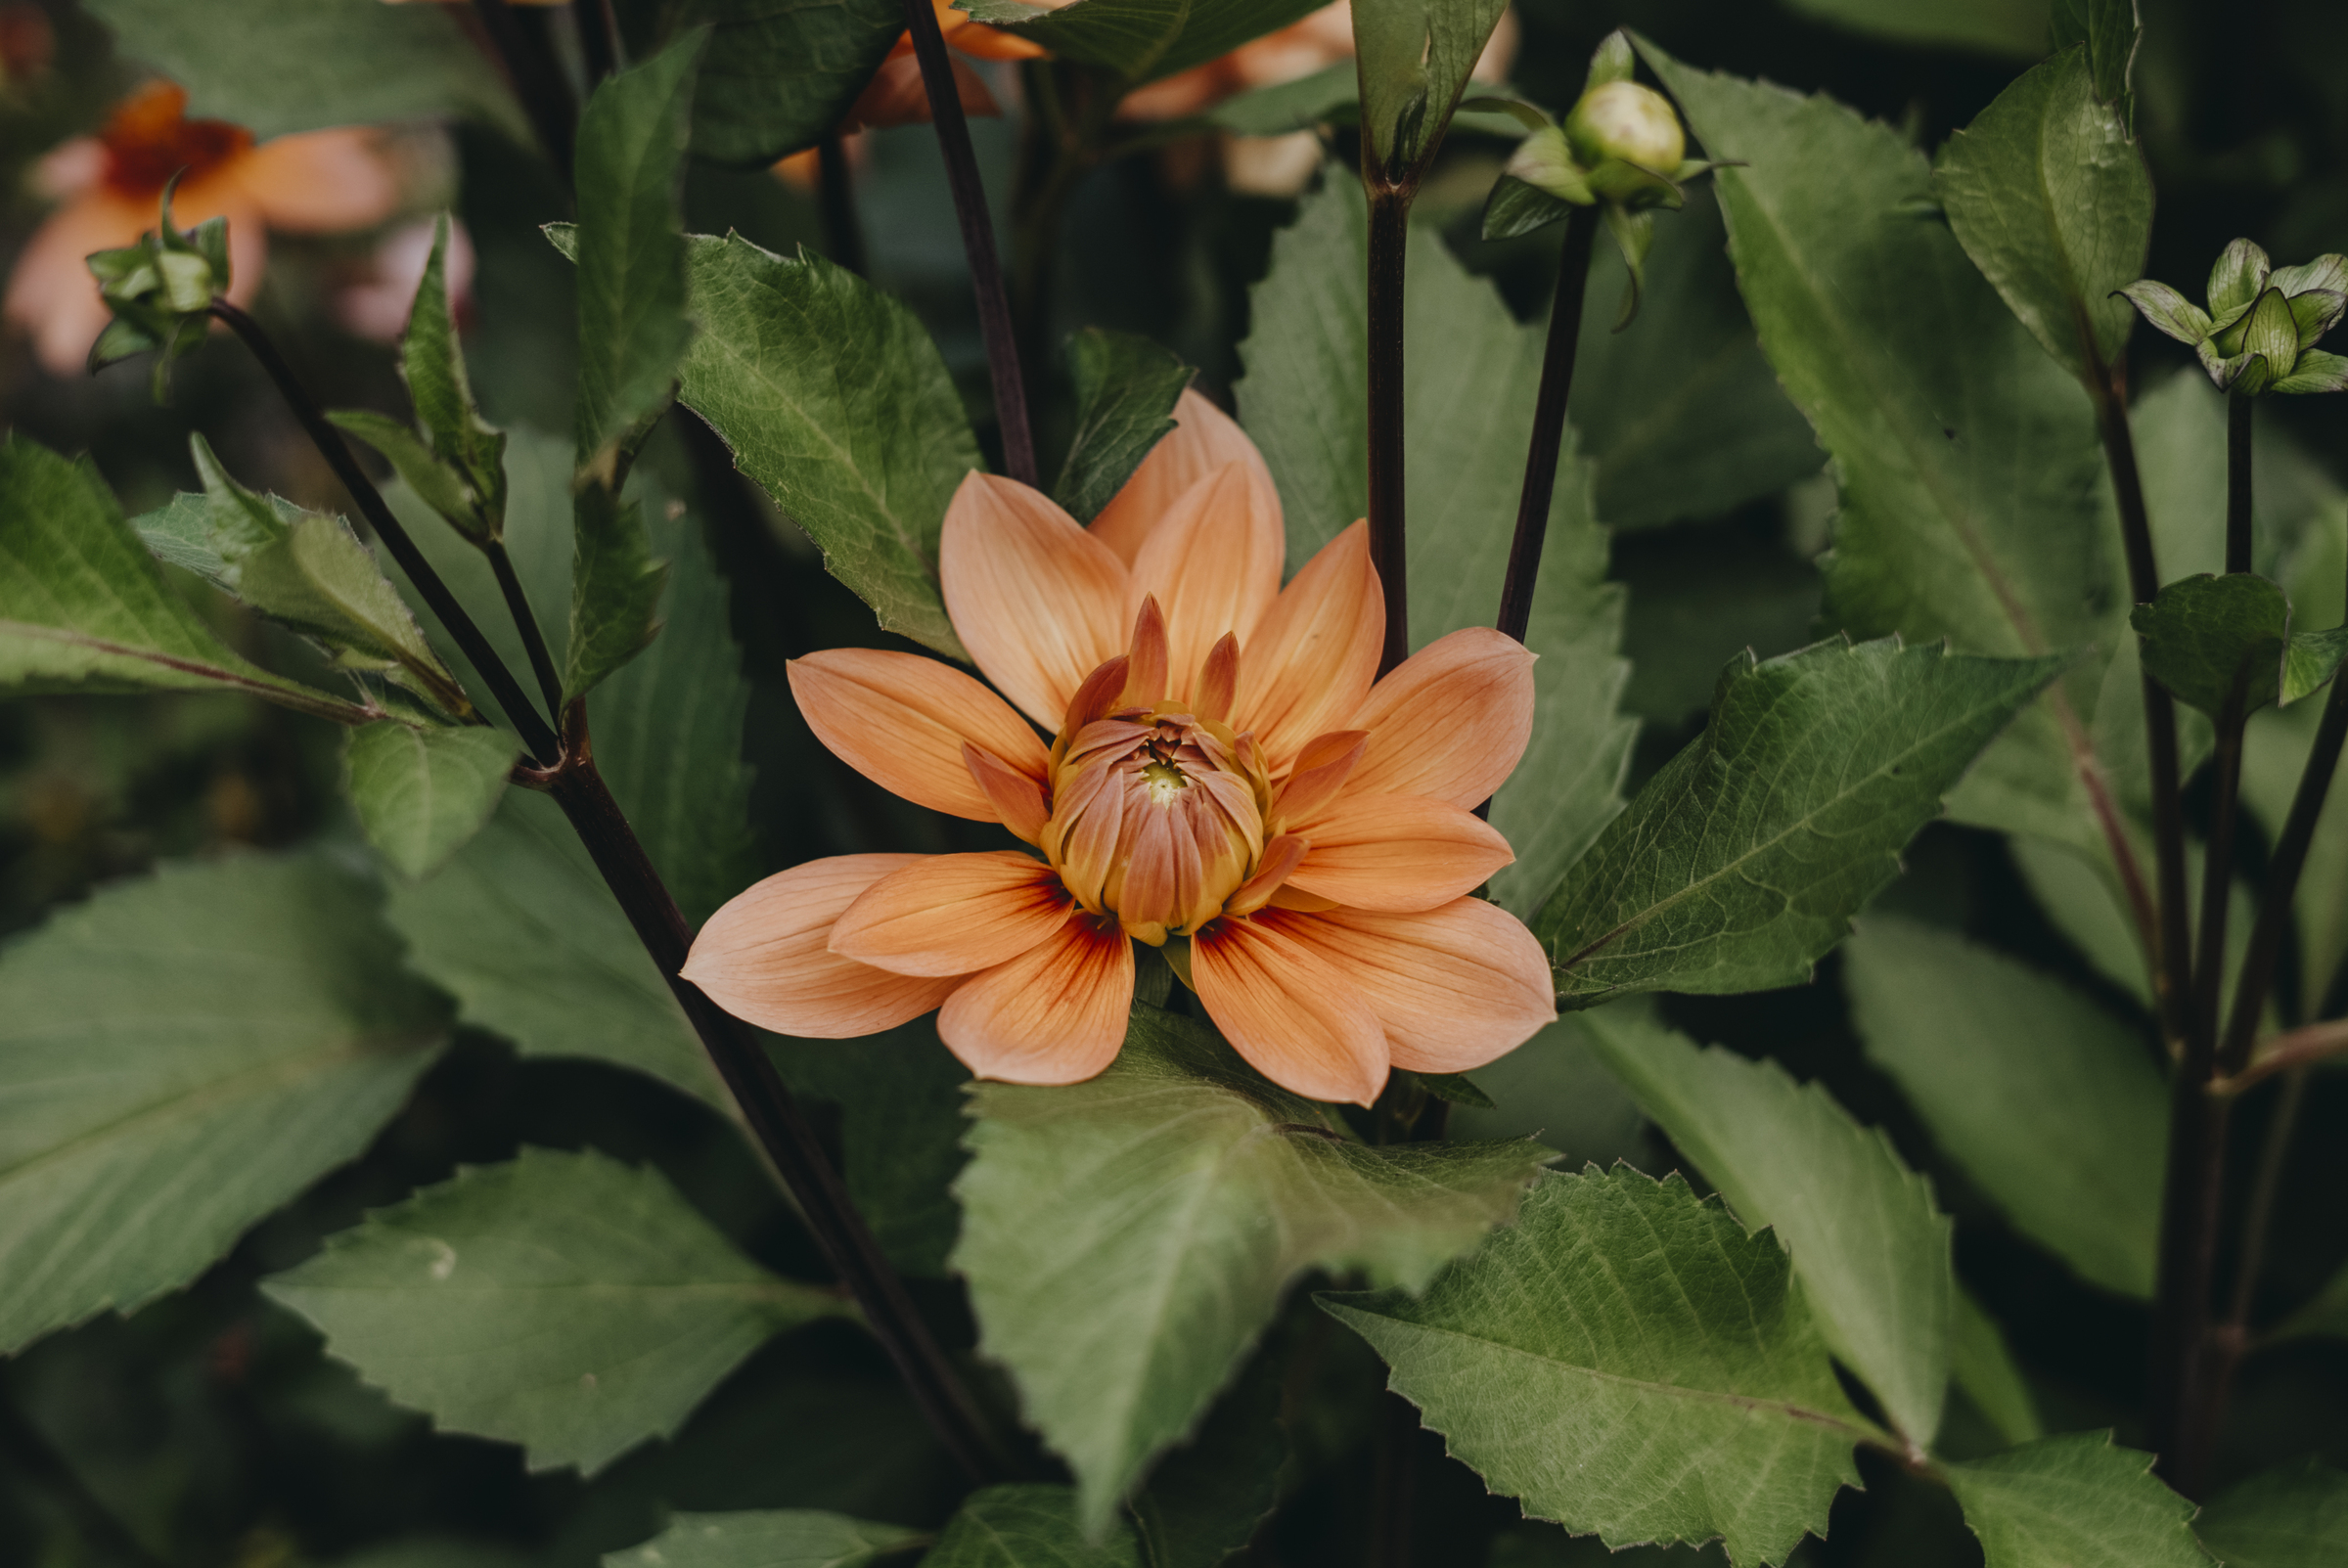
(2074, 1502)
(2206, 636)
(1742, 861)
(2049, 1102)
(1141, 40)
(1126, 388)
(1415, 58)
(1474, 373)
(565, 1302)
(431, 362)
(2296, 1518)
(2110, 31)
(2310, 660)
(1126, 1240)
(832, 396)
(781, 73)
(1205, 1500)
(1626, 1362)
(1982, 1369)
(279, 65)
(179, 1056)
(1870, 1246)
(785, 1538)
(438, 484)
(1028, 1527)
(616, 589)
(2049, 195)
(83, 607)
(631, 250)
(2012, 29)
(420, 793)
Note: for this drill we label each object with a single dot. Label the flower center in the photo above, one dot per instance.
(149, 138)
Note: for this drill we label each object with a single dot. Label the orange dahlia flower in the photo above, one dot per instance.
(316, 182)
(1226, 779)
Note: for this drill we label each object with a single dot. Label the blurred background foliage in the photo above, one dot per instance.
(209, 1429)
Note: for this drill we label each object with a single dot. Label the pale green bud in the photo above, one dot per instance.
(1620, 130)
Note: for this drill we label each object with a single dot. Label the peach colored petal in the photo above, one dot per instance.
(1213, 562)
(1321, 768)
(1281, 857)
(1289, 1012)
(321, 182)
(1039, 602)
(1456, 986)
(1218, 681)
(901, 720)
(1203, 440)
(1098, 697)
(765, 956)
(980, 41)
(1146, 664)
(1055, 1014)
(1450, 721)
(1397, 853)
(1316, 651)
(1017, 800)
(953, 914)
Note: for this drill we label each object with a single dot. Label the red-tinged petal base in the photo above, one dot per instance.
(1293, 1015)
(1055, 1014)
(766, 958)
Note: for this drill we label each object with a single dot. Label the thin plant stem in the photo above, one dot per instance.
(2232, 1338)
(1548, 423)
(2172, 980)
(977, 238)
(2237, 482)
(599, 38)
(2301, 1047)
(1389, 248)
(571, 777)
(533, 637)
(537, 734)
(537, 82)
(836, 195)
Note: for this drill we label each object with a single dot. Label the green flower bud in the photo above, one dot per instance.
(160, 290)
(2259, 333)
(1627, 136)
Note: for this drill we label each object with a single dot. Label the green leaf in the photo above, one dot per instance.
(83, 607)
(1982, 1369)
(1126, 388)
(832, 396)
(1681, 414)
(1455, 1089)
(1554, 1088)
(2074, 1502)
(179, 1056)
(1206, 1499)
(1744, 860)
(1474, 373)
(1141, 40)
(1415, 58)
(2049, 195)
(279, 65)
(1125, 1239)
(630, 250)
(309, 572)
(1627, 1362)
(616, 589)
(2310, 660)
(422, 793)
(440, 486)
(2111, 34)
(521, 930)
(1870, 1246)
(433, 364)
(2049, 1102)
(2206, 636)
(1028, 1527)
(781, 73)
(1330, 93)
(2294, 1518)
(900, 1098)
(787, 1538)
(565, 1302)
(2012, 29)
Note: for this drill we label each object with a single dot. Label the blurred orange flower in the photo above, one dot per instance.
(109, 185)
(1226, 781)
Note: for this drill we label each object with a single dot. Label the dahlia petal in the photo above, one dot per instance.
(1218, 681)
(765, 956)
(1039, 602)
(1281, 857)
(1397, 853)
(1146, 665)
(1055, 1014)
(902, 720)
(953, 914)
(1451, 720)
(1203, 440)
(1315, 652)
(1017, 799)
(322, 182)
(1321, 768)
(1293, 1015)
(1213, 561)
(1456, 986)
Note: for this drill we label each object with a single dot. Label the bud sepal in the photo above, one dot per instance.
(159, 292)
(2259, 332)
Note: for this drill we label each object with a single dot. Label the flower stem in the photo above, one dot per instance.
(537, 734)
(545, 98)
(1389, 248)
(533, 640)
(2301, 1047)
(568, 774)
(836, 193)
(977, 237)
(2237, 482)
(1548, 423)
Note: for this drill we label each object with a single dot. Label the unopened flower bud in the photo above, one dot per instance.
(1627, 136)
